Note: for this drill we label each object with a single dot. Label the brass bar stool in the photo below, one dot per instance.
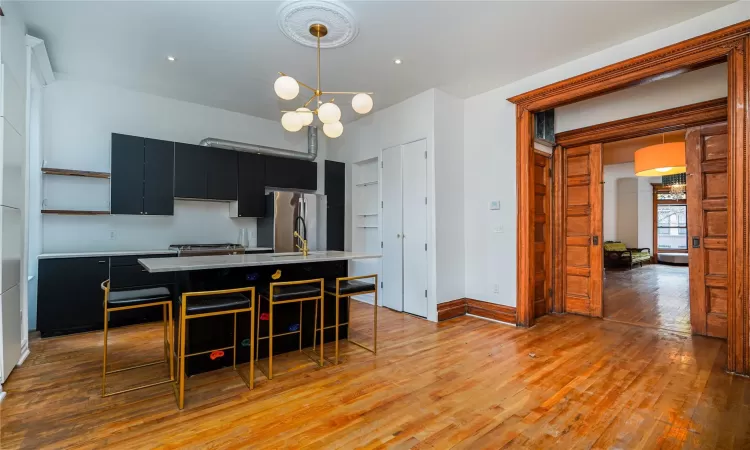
(131, 299)
(346, 287)
(291, 292)
(215, 303)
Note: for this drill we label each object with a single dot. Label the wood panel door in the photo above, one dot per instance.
(542, 234)
(708, 225)
(583, 260)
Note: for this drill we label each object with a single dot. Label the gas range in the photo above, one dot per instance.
(208, 249)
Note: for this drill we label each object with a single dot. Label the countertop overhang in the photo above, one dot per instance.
(187, 263)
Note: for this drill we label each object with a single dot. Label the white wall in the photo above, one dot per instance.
(79, 118)
(490, 152)
(627, 211)
(449, 192)
(692, 87)
(12, 184)
(646, 212)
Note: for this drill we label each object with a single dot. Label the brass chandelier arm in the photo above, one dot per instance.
(305, 85)
(311, 99)
(347, 93)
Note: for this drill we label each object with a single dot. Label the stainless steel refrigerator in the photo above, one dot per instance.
(290, 211)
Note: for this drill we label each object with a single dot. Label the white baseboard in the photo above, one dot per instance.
(493, 320)
(24, 353)
(2, 393)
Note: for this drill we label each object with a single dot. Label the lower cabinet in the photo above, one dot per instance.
(69, 296)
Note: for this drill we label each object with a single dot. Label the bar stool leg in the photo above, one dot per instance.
(164, 326)
(322, 322)
(252, 343)
(170, 340)
(104, 363)
(336, 358)
(270, 336)
(375, 320)
(234, 343)
(183, 324)
(257, 330)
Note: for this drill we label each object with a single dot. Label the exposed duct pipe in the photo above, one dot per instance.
(312, 147)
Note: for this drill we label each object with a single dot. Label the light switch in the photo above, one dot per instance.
(498, 229)
(494, 205)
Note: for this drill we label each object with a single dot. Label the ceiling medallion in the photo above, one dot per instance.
(287, 88)
(296, 17)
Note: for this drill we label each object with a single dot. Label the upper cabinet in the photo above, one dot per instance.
(222, 174)
(190, 172)
(251, 188)
(291, 173)
(205, 173)
(142, 171)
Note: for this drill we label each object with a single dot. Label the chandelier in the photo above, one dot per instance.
(676, 183)
(287, 88)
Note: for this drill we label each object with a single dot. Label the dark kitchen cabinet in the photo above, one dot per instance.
(158, 184)
(190, 174)
(127, 174)
(335, 189)
(291, 173)
(142, 176)
(251, 169)
(222, 174)
(69, 296)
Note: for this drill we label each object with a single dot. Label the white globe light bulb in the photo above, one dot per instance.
(286, 87)
(362, 103)
(306, 115)
(329, 113)
(291, 121)
(333, 130)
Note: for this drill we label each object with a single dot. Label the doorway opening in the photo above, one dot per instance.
(644, 228)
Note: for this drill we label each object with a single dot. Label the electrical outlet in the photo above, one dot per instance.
(112, 235)
(498, 229)
(496, 288)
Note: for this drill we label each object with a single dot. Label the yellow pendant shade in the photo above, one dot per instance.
(661, 159)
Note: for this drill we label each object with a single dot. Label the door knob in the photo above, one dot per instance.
(398, 236)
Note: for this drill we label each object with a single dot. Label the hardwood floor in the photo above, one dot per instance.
(655, 295)
(569, 382)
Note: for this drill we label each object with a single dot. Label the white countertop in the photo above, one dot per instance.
(127, 253)
(180, 264)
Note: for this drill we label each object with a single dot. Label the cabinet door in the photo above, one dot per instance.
(335, 183)
(127, 174)
(69, 297)
(306, 173)
(190, 173)
(251, 198)
(393, 261)
(222, 174)
(278, 173)
(291, 173)
(158, 193)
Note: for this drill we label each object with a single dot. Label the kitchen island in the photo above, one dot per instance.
(216, 272)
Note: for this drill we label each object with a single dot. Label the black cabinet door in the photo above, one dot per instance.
(291, 173)
(127, 174)
(251, 198)
(335, 227)
(222, 174)
(190, 173)
(335, 183)
(69, 297)
(158, 194)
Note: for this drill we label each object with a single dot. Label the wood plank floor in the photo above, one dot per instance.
(655, 295)
(569, 382)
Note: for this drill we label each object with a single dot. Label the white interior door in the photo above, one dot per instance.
(392, 220)
(415, 227)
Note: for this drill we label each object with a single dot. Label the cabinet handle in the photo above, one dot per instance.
(102, 262)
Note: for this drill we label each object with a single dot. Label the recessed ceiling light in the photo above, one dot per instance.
(170, 58)
(397, 61)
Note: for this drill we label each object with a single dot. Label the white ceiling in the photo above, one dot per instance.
(228, 53)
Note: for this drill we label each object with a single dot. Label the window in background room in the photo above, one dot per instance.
(671, 222)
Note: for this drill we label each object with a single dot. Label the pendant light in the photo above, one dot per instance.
(287, 88)
(667, 158)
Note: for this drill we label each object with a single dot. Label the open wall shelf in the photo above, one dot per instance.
(75, 173)
(72, 212)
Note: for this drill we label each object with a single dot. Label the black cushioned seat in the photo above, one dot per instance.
(215, 303)
(132, 297)
(293, 291)
(348, 287)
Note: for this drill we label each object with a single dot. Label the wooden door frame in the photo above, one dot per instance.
(731, 45)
